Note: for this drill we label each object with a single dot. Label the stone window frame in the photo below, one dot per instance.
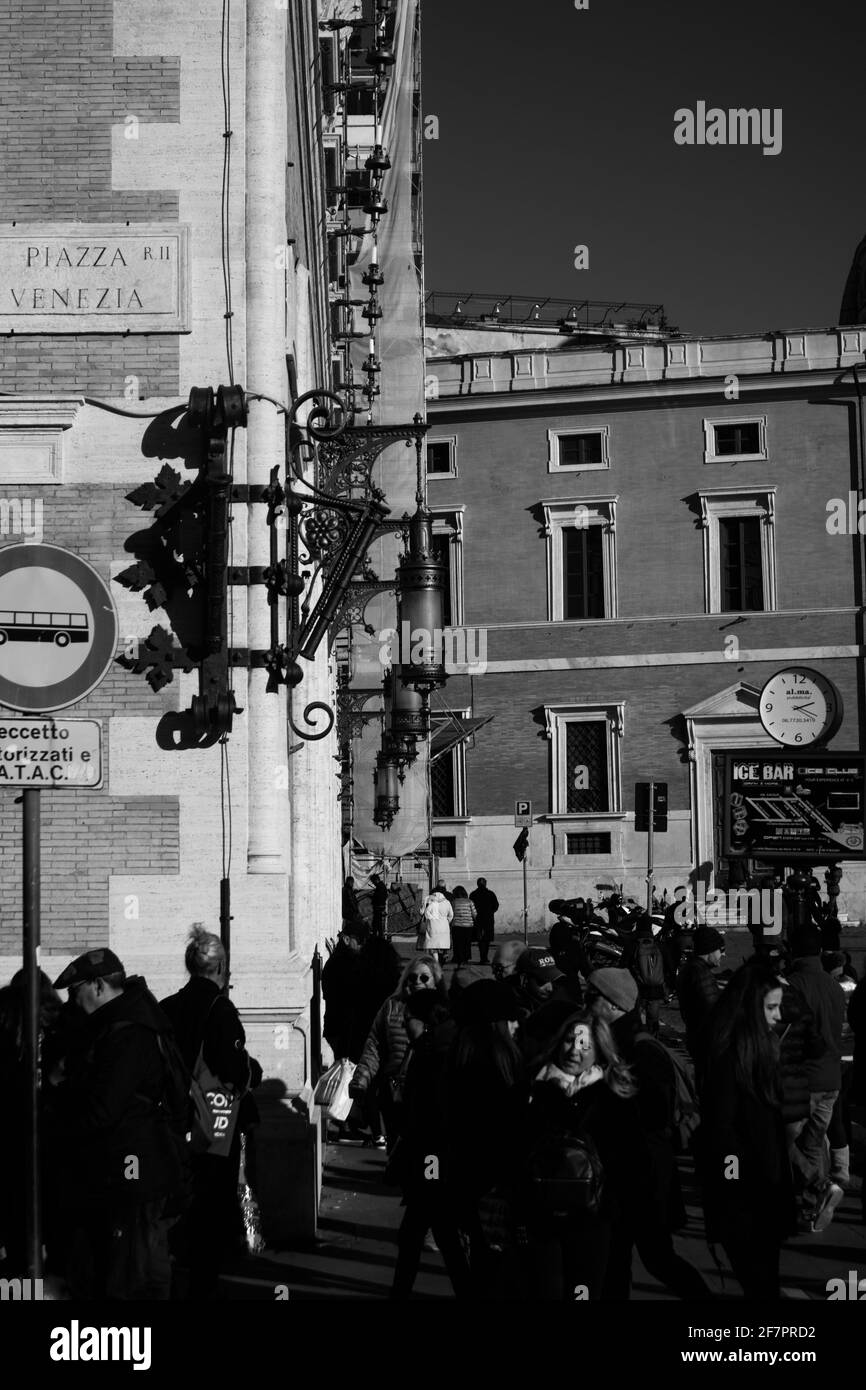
(556, 719)
(710, 424)
(738, 502)
(554, 465)
(451, 441)
(560, 515)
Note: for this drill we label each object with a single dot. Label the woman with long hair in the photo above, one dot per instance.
(584, 1159)
(385, 1054)
(748, 1188)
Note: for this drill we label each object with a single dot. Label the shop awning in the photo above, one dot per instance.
(448, 731)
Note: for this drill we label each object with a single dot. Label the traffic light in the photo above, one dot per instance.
(641, 806)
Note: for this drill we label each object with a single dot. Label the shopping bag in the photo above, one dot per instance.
(327, 1084)
(251, 1217)
(215, 1111)
(341, 1104)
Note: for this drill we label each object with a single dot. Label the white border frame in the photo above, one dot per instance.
(449, 521)
(553, 450)
(442, 439)
(556, 718)
(710, 423)
(559, 516)
(737, 502)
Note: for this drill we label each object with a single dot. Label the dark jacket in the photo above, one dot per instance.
(345, 1027)
(351, 910)
(736, 1125)
(613, 1125)
(567, 949)
(203, 1017)
(826, 1002)
(107, 1110)
(385, 1049)
(423, 1130)
(486, 905)
(800, 1047)
(697, 991)
(653, 1070)
(630, 961)
(857, 1023)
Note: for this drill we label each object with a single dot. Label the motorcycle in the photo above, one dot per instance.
(600, 948)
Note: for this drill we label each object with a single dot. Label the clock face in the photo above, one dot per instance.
(800, 707)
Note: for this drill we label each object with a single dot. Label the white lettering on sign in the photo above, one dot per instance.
(73, 275)
(763, 772)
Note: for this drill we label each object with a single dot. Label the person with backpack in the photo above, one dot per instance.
(210, 1034)
(121, 1164)
(434, 935)
(582, 1161)
(667, 1111)
(648, 961)
(698, 992)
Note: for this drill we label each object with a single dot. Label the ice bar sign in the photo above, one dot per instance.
(807, 806)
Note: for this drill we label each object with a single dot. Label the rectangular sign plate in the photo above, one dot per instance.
(523, 814)
(50, 753)
(789, 806)
(101, 277)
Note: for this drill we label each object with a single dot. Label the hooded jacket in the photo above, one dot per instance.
(118, 1141)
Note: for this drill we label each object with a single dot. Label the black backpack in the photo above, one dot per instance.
(649, 964)
(565, 1177)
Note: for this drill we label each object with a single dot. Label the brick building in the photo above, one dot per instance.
(639, 532)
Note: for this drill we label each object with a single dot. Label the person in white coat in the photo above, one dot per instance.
(436, 914)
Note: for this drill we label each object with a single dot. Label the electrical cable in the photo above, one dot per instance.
(225, 198)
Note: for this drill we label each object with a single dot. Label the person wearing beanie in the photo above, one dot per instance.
(807, 1138)
(613, 996)
(698, 992)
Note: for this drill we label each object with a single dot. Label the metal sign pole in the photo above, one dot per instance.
(525, 893)
(649, 848)
(31, 865)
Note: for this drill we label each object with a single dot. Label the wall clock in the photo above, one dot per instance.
(800, 707)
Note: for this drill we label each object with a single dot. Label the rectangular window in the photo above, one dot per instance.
(582, 573)
(586, 766)
(445, 846)
(442, 552)
(744, 438)
(570, 451)
(442, 786)
(588, 844)
(578, 450)
(741, 585)
(440, 456)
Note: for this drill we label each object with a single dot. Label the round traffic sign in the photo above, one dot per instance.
(58, 628)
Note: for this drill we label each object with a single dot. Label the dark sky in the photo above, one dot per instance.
(556, 128)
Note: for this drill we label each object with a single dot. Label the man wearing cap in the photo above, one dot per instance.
(651, 1222)
(697, 991)
(123, 1162)
(545, 996)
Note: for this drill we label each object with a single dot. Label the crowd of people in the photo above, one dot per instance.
(131, 1209)
(537, 1124)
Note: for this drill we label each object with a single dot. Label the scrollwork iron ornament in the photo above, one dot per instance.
(321, 413)
(313, 706)
(323, 532)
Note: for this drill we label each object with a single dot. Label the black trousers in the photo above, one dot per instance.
(212, 1228)
(569, 1264)
(655, 1245)
(462, 938)
(755, 1263)
(429, 1213)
